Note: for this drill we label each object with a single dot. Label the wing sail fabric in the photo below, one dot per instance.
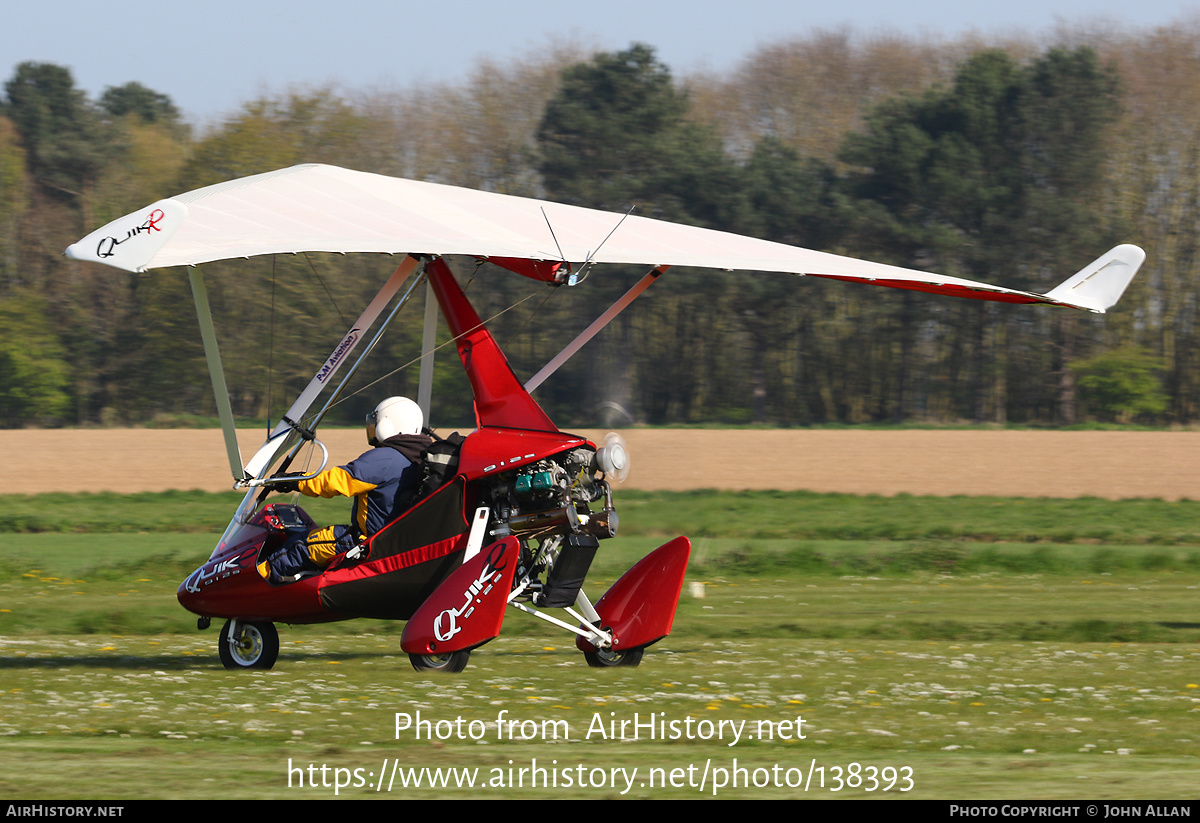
(330, 209)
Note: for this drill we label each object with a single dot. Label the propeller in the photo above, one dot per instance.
(613, 458)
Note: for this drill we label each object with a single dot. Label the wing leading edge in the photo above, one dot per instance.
(326, 208)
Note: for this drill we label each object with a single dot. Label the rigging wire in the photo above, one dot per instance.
(479, 261)
(482, 324)
(328, 294)
(538, 308)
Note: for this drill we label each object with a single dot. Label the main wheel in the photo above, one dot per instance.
(604, 658)
(451, 663)
(255, 647)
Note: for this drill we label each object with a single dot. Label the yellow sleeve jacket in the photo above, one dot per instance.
(380, 481)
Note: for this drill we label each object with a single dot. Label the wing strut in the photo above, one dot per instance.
(591, 331)
(212, 355)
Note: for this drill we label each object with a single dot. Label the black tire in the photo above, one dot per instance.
(451, 663)
(257, 646)
(606, 658)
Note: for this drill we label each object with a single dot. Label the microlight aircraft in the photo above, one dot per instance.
(518, 521)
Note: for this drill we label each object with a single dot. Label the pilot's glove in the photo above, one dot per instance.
(286, 486)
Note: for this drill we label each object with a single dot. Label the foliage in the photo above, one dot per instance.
(34, 383)
(994, 178)
(617, 135)
(1008, 163)
(1122, 384)
(60, 129)
(14, 198)
(275, 132)
(147, 105)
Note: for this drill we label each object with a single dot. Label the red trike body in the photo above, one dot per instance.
(430, 566)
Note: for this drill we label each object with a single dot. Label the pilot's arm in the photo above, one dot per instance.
(333, 483)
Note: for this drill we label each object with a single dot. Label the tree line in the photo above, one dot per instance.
(1014, 163)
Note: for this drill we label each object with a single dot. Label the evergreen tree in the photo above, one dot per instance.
(63, 136)
(147, 105)
(617, 134)
(998, 179)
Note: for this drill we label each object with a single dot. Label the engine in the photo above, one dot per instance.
(555, 495)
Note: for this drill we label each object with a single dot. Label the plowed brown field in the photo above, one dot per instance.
(1012, 463)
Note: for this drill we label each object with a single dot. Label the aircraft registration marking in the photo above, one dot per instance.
(509, 462)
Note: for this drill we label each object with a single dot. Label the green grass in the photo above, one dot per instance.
(95, 717)
(754, 589)
(809, 515)
(751, 514)
(106, 512)
(1009, 651)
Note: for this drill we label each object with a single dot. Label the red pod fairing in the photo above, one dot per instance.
(467, 610)
(640, 607)
(229, 585)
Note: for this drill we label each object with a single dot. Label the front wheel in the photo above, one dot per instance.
(604, 658)
(451, 663)
(256, 646)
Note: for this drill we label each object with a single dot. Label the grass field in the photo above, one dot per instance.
(924, 647)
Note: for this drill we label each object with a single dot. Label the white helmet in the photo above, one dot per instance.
(396, 415)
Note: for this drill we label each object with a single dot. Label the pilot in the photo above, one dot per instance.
(383, 482)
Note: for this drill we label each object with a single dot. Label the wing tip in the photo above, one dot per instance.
(1099, 285)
